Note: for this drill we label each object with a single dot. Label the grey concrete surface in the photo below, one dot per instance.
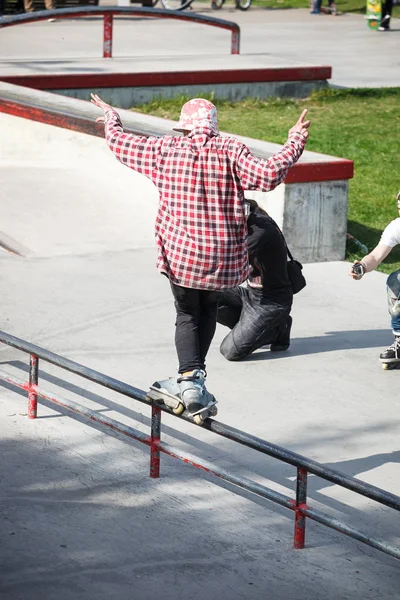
(312, 216)
(129, 97)
(363, 58)
(79, 518)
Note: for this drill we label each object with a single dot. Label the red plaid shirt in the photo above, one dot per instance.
(201, 224)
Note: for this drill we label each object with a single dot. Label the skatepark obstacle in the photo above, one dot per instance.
(108, 13)
(303, 465)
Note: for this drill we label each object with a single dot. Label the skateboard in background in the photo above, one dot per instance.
(374, 14)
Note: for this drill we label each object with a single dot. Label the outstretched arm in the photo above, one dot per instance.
(266, 174)
(97, 101)
(135, 151)
(370, 261)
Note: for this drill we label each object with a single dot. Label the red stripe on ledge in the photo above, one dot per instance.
(110, 80)
(49, 117)
(300, 173)
(326, 171)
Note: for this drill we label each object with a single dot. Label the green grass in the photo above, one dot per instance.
(359, 124)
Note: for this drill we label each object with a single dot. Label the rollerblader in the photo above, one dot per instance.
(200, 226)
(390, 357)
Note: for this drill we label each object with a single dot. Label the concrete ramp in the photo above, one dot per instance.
(65, 194)
(80, 519)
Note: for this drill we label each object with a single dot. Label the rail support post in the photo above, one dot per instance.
(301, 502)
(235, 42)
(155, 441)
(33, 381)
(108, 35)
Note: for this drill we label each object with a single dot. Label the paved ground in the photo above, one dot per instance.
(359, 57)
(79, 516)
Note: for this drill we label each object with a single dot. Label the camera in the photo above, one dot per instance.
(358, 269)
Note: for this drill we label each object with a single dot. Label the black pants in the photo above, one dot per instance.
(387, 7)
(196, 320)
(254, 322)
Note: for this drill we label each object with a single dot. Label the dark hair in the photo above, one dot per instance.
(253, 206)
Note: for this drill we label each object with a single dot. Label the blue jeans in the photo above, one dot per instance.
(393, 298)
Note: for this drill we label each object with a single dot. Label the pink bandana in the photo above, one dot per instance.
(198, 113)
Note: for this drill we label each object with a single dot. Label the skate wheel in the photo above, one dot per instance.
(179, 409)
(389, 366)
(198, 419)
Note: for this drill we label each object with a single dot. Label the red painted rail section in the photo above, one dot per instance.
(108, 13)
(304, 465)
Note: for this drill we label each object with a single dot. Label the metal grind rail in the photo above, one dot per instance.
(304, 465)
(108, 13)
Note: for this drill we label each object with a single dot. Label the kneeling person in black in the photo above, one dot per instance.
(259, 314)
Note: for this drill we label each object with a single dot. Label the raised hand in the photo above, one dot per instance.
(97, 101)
(301, 126)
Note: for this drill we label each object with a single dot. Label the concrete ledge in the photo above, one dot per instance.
(126, 97)
(311, 207)
(57, 81)
(129, 89)
(313, 217)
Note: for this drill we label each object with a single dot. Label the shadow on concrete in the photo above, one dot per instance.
(39, 65)
(317, 488)
(243, 461)
(78, 525)
(356, 466)
(330, 342)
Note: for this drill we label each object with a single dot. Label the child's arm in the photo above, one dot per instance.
(371, 260)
